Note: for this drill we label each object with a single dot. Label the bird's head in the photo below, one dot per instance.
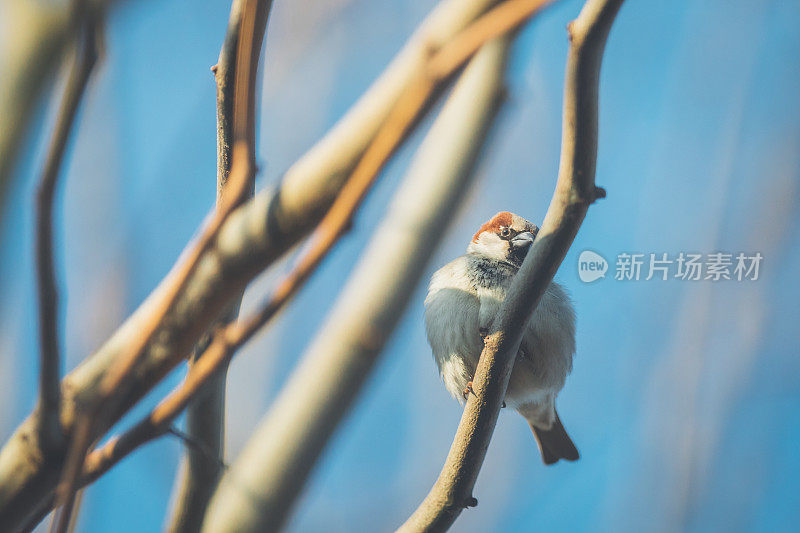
(506, 237)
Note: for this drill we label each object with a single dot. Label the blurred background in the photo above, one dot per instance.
(685, 396)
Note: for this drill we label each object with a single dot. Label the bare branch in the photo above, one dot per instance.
(505, 17)
(199, 471)
(254, 236)
(200, 446)
(50, 432)
(39, 35)
(575, 191)
(224, 77)
(257, 493)
(241, 175)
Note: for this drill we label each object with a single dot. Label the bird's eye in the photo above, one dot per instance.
(505, 232)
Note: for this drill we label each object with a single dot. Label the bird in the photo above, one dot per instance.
(463, 299)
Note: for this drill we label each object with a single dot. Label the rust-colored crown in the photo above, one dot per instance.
(501, 219)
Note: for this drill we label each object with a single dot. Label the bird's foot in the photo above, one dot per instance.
(468, 390)
(503, 405)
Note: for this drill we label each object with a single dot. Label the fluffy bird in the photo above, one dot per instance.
(463, 299)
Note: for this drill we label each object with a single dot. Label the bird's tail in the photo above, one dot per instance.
(554, 443)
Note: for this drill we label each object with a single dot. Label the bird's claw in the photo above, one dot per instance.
(468, 390)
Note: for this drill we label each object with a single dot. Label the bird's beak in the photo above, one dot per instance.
(523, 241)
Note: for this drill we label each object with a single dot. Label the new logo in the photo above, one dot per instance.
(591, 266)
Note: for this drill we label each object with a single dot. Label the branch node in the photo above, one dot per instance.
(196, 444)
(599, 193)
(214, 69)
(472, 501)
(571, 30)
(429, 50)
(431, 71)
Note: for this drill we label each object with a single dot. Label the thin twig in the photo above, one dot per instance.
(575, 191)
(151, 427)
(501, 19)
(197, 445)
(86, 24)
(242, 172)
(205, 416)
(225, 80)
(66, 492)
(155, 425)
(241, 175)
(73, 522)
(50, 433)
(39, 34)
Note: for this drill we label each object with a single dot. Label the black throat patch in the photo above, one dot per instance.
(489, 273)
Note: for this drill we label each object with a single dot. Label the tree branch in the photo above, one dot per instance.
(257, 493)
(205, 416)
(575, 191)
(50, 432)
(200, 446)
(239, 181)
(255, 235)
(505, 17)
(38, 36)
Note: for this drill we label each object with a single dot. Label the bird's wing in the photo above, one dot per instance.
(451, 324)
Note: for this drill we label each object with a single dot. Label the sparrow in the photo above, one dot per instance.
(463, 299)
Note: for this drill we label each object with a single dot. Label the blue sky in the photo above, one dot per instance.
(685, 396)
